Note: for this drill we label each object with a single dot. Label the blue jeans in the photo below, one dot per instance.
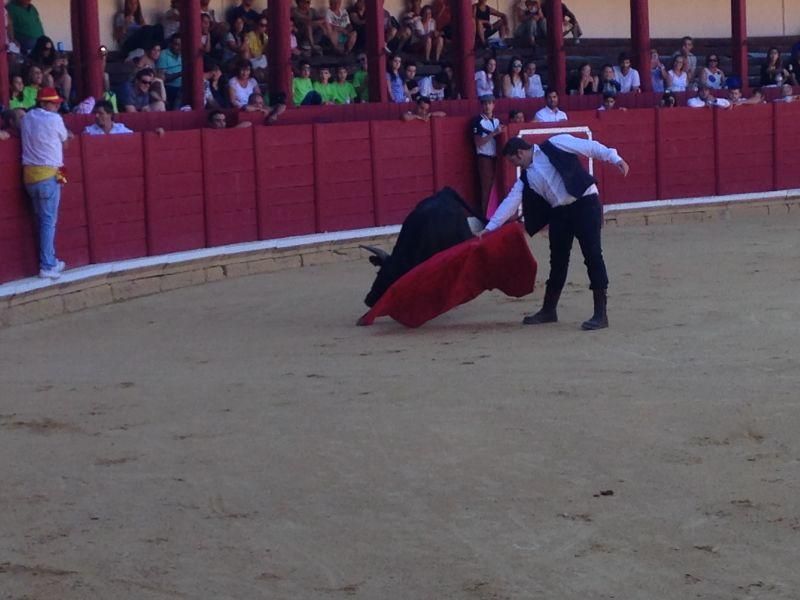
(46, 196)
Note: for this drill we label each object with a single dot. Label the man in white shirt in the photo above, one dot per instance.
(554, 189)
(626, 75)
(550, 113)
(104, 121)
(706, 98)
(43, 139)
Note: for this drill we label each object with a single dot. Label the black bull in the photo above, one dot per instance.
(437, 223)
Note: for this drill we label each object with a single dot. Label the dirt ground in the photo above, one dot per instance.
(243, 440)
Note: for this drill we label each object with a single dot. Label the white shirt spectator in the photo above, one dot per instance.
(627, 82)
(679, 82)
(43, 135)
(421, 29)
(534, 88)
(342, 20)
(483, 126)
(548, 115)
(542, 176)
(426, 89)
(697, 102)
(116, 128)
(242, 94)
(483, 84)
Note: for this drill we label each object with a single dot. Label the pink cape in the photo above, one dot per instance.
(499, 260)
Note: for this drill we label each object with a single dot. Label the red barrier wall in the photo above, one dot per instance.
(343, 175)
(787, 132)
(686, 152)
(18, 250)
(230, 182)
(285, 177)
(400, 183)
(454, 157)
(623, 130)
(113, 171)
(72, 232)
(745, 149)
(175, 191)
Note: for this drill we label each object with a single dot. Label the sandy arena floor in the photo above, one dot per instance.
(244, 440)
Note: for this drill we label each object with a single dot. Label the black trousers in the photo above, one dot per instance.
(583, 219)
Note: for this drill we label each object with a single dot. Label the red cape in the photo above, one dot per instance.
(500, 260)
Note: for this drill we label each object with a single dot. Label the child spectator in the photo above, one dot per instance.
(395, 82)
(35, 83)
(486, 79)
(516, 116)
(550, 113)
(324, 87)
(712, 76)
(610, 103)
(343, 91)
(140, 97)
(772, 70)
(104, 121)
(626, 75)
(608, 81)
(705, 98)
(514, 82)
(170, 63)
(242, 85)
(410, 78)
(361, 78)
(434, 87)
(303, 92)
(485, 128)
(657, 72)
(22, 96)
(339, 30)
(427, 35)
(585, 82)
(482, 13)
(25, 22)
(422, 112)
(668, 100)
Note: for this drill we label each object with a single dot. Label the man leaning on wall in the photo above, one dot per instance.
(43, 139)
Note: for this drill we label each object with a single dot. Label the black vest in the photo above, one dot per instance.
(577, 180)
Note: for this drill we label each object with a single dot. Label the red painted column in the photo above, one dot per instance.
(739, 40)
(464, 42)
(89, 41)
(279, 54)
(640, 36)
(556, 56)
(5, 85)
(191, 54)
(78, 76)
(376, 52)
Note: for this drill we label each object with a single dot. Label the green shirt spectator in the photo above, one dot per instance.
(26, 23)
(343, 92)
(28, 100)
(361, 85)
(301, 86)
(325, 91)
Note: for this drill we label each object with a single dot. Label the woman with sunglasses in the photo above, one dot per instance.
(712, 76)
(514, 81)
(256, 42)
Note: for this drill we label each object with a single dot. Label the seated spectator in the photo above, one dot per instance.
(668, 100)
(571, 24)
(443, 17)
(610, 103)
(533, 87)
(514, 81)
(787, 94)
(736, 99)
(677, 78)
(422, 112)
(242, 85)
(410, 79)
(219, 120)
(516, 116)
(215, 92)
(427, 36)
(139, 96)
(689, 59)
(608, 83)
(452, 92)
(324, 87)
(24, 23)
(361, 78)
(705, 98)
(256, 103)
(206, 44)
(35, 82)
(171, 21)
(712, 76)
(434, 87)
(550, 113)
(482, 14)
(585, 82)
(626, 75)
(395, 82)
(303, 92)
(772, 69)
(53, 64)
(413, 11)
(793, 68)
(11, 119)
(256, 42)
(149, 58)
(358, 19)
(343, 91)
(338, 28)
(170, 63)
(531, 24)
(246, 12)
(234, 46)
(104, 121)
(310, 26)
(657, 71)
(486, 79)
(131, 31)
(22, 96)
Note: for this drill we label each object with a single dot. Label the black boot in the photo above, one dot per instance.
(548, 313)
(599, 319)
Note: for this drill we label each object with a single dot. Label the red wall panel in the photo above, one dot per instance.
(686, 152)
(402, 167)
(72, 232)
(454, 157)
(343, 170)
(632, 133)
(19, 255)
(285, 175)
(230, 182)
(787, 132)
(175, 194)
(745, 149)
(113, 170)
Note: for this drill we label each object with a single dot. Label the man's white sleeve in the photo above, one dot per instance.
(508, 207)
(587, 148)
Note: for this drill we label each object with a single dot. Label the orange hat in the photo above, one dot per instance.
(48, 94)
